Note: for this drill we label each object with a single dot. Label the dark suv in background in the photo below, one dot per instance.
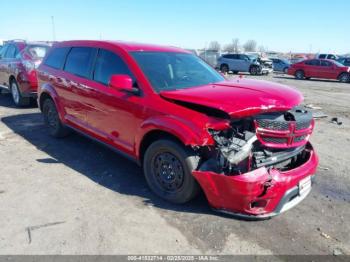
(18, 62)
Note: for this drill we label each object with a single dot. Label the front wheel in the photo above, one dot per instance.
(17, 97)
(344, 78)
(254, 70)
(285, 70)
(224, 69)
(168, 167)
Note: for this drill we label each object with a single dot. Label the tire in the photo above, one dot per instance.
(254, 70)
(299, 74)
(224, 68)
(285, 70)
(344, 77)
(168, 167)
(17, 97)
(52, 120)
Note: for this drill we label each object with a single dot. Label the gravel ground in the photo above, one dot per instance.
(73, 196)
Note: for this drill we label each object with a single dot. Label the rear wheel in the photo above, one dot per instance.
(17, 97)
(299, 74)
(224, 68)
(344, 77)
(168, 170)
(52, 120)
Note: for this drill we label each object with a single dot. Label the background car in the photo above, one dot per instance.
(241, 63)
(344, 61)
(280, 65)
(18, 62)
(327, 56)
(320, 68)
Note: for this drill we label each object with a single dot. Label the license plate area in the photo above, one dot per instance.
(304, 185)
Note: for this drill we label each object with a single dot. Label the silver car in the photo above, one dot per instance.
(241, 63)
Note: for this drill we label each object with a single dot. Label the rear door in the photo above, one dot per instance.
(77, 80)
(244, 62)
(6, 64)
(312, 68)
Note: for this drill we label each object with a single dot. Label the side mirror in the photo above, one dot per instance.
(123, 83)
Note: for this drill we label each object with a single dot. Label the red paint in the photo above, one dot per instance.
(311, 71)
(122, 119)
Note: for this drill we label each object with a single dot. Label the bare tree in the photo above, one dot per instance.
(235, 44)
(233, 47)
(214, 45)
(262, 49)
(250, 46)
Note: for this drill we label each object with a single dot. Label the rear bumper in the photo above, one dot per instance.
(259, 194)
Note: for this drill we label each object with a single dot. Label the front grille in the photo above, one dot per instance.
(273, 125)
(299, 138)
(275, 140)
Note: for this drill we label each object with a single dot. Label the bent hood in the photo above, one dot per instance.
(240, 97)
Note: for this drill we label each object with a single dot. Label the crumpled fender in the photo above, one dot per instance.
(48, 89)
(187, 132)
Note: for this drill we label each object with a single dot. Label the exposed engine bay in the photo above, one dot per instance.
(273, 140)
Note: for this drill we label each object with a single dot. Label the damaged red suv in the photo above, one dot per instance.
(245, 143)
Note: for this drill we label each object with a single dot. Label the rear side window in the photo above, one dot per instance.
(313, 62)
(79, 61)
(108, 64)
(56, 58)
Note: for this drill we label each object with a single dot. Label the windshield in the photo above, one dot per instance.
(37, 51)
(171, 71)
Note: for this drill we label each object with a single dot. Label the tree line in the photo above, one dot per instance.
(235, 47)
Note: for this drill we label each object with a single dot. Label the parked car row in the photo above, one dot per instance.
(244, 143)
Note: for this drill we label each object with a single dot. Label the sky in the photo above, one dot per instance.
(279, 25)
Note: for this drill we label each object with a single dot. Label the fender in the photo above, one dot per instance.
(187, 132)
(49, 90)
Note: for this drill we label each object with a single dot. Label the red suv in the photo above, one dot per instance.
(18, 62)
(320, 68)
(245, 143)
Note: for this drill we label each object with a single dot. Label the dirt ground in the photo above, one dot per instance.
(73, 196)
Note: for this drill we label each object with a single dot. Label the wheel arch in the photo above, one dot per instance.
(48, 92)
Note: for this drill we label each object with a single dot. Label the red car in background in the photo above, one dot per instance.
(245, 143)
(320, 68)
(18, 62)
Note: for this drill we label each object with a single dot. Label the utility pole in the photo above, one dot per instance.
(53, 28)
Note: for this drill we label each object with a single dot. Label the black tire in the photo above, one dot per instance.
(168, 167)
(299, 74)
(285, 70)
(344, 77)
(52, 120)
(224, 68)
(17, 97)
(254, 70)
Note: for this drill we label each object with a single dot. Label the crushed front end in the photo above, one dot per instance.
(260, 166)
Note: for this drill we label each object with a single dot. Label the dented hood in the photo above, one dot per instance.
(239, 97)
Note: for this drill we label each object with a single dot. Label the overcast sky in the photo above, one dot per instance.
(280, 25)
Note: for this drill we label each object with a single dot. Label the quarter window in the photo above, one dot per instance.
(79, 61)
(108, 64)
